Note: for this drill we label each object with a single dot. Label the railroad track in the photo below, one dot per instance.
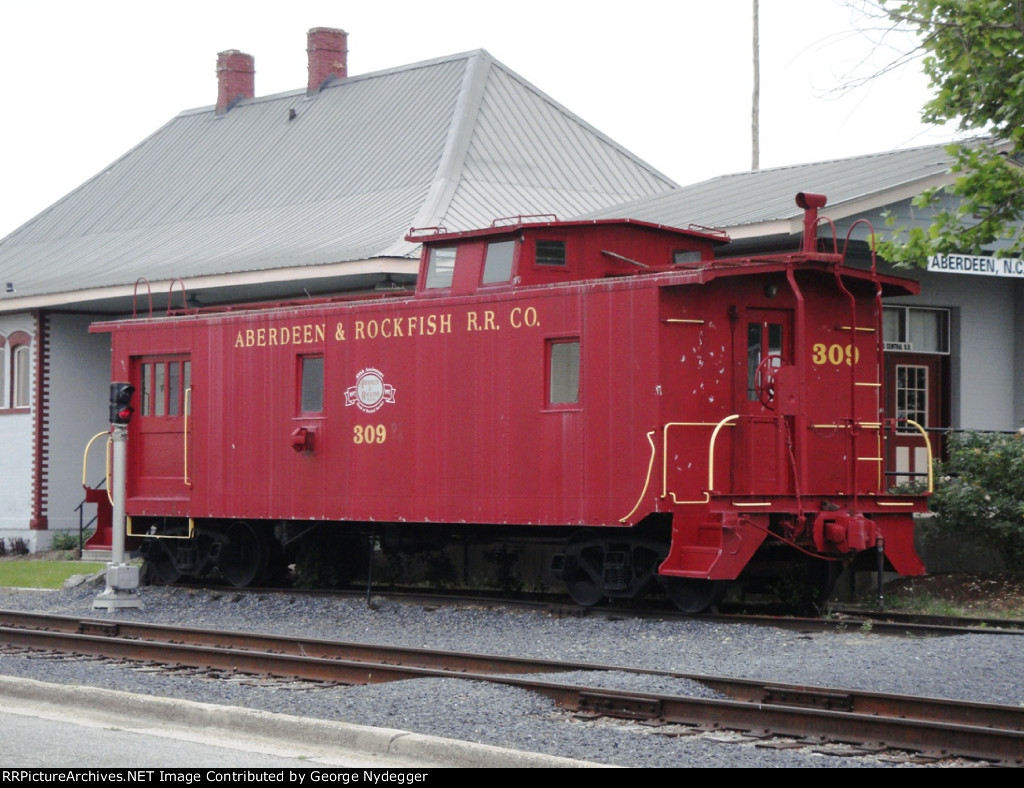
(838, 618)
(930, 727)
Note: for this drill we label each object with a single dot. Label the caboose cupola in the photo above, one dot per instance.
(526, 253)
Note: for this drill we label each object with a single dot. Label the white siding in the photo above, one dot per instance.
(79, 392)
(16, 443)
(1018, 339)
(985, 346)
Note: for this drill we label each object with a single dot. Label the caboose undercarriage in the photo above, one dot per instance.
(764, 556)
(770, 558)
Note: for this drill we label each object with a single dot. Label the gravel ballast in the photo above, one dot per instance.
(985, 668)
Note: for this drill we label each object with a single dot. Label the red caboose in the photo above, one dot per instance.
(610, 385)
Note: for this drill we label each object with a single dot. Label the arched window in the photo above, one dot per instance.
(3, 372)
(20, 377)
(18, 395)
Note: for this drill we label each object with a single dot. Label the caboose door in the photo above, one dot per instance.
(768, 338)
(159, 439)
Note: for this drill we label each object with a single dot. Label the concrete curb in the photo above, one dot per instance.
(128, 711)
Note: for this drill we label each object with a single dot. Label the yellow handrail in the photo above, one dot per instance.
(647, 481)
(928, 444)
(711, 455)
(85, 455)
(85, 462)
(711, 449)
(189, 535)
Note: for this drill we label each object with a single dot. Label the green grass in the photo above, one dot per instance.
(43, 574)
(926, 605)
(930, 606)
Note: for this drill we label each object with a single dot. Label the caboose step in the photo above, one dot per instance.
(697, 559)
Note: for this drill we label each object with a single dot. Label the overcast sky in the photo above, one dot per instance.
(670, 80)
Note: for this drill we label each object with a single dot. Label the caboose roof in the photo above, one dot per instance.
(287, 192)
(516, 224)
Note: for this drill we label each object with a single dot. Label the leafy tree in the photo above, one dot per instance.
(973, 55)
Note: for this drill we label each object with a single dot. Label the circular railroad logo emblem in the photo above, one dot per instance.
(370, 391)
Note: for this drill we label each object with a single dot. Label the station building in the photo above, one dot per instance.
(312, 192)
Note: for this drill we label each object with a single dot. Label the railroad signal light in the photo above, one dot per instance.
(121, 403)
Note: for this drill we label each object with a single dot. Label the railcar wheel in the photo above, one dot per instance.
(277, 563)
(583, 590)
(582, 574)
(159, 567)
(820, 577)
(693, 595)
(243, 555)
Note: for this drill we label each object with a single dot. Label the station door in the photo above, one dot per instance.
(916, 389)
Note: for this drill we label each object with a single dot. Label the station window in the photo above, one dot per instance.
(912, 394)
(564, 371)
(163, 386)
(498, 262)
(550, 253)
(916, 329)
(441, 266)
(15, 371)
(311, 396)
(21, 376)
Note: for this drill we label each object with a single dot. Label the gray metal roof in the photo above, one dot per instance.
(742, 200)
(453, 142)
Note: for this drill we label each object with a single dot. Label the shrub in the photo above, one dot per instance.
(17, 546)
(68, 540)
(979, 492)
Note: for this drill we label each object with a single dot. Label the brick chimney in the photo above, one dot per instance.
(236, 78)
(327, 49)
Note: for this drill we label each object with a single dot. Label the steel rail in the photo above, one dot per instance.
(838, 616)
(750, 690)
(937, 727)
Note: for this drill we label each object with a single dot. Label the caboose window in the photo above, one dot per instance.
(564, 379)
(684, 258)
(441, 266)
(498, 263)
(162, 387)
(763, 340)
(145, 387)
(312, 394)
(159, 392)
(550, 252)
(174, 389)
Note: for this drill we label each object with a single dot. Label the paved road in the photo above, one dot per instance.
(57, 726)
(36, 737)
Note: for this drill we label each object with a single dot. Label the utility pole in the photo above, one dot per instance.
(755, 131)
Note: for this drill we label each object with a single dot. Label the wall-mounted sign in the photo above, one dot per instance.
(971, 264)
